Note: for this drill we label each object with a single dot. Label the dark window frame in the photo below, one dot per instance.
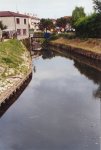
(18, 31)
(18, 20)
(25, 22)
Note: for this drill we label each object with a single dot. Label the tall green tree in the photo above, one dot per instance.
(2, 26)
(77, 13)
(97, 5)
(46, 24)
(89, 26)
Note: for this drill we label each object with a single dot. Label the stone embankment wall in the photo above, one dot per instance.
(87, 53)
(18, 84)
(96, 64)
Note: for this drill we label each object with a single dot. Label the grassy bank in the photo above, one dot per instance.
(12, 58)
(93, 45)
(14, 63)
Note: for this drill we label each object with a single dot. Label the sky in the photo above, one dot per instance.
(46, 8)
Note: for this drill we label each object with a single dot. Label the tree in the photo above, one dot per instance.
(2, 27)
(77, 13)
(46, 24)
(97, 5)
(89, 26)
(62, 22)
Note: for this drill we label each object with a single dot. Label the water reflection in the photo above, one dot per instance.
(88, 67)
(97, 93)
(91, 74)
(48, 54)
(57, 111)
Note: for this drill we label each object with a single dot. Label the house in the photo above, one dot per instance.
(34, 23)
(16, 23)
(68, 26)
(54, 21)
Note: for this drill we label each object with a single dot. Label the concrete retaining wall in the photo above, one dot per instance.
(12, 91)
(80, 51)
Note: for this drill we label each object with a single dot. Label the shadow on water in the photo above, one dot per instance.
(13, 98)
(91, 74)
(86, 66)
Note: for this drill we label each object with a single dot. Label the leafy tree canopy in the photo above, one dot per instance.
(77, 13)
(97, 5)
(46, 24)
(89, 26)
(62, 22)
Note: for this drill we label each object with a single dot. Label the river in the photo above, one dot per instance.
(59, 109)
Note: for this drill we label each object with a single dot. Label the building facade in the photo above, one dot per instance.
(16, 23)
(34, 23)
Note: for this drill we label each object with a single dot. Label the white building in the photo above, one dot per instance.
(34, 23)
(16, 22)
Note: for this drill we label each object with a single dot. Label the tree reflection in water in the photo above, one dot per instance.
(97, 93)
(91, 74)
(88, 67)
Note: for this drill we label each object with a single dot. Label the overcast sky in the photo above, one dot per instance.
(46, 8)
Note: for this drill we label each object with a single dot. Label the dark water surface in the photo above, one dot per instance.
(59, 110)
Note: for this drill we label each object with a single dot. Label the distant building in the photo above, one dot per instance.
(54, 21)
(16, 23)
(34, 23)
(68, 26)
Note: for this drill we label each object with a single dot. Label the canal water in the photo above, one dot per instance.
(59, 109)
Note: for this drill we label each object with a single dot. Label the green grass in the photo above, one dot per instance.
(11, 53)
(93, 45)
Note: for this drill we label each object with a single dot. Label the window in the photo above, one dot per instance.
(17, 20)
(24, 31)
(18, 31)
(24, 21)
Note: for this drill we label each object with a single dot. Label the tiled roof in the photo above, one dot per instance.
(11, 14)
(32, 17)
(67, 17)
